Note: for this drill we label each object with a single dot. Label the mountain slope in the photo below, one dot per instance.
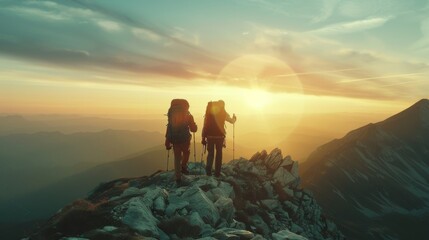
(375, 180)
(254, 199)
(46, 157)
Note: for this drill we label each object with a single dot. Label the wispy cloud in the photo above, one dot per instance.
(351, 27)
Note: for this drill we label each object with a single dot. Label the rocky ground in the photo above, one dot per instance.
(258, 198)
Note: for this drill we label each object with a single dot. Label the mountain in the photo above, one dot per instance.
(253, 199)
(15, 124)
(46, 157)
(374, 182)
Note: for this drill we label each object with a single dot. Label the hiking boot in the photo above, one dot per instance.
(185, 171)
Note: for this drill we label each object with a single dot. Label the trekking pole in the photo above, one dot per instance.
(168, 158)
(195, 154)
(203, 151)
(233, 141)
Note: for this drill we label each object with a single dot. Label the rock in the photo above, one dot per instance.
(270, 204)
(287, 235)
(243, 234)
(255, 157)
(256, 199)
(231, 233)
(226, 208)
(152, 193)
(139, 217)
(201, 204)
(290, 206)
(180, 226)
(109, 228)
(296, 229)
(274, 159)
(227, 188)
(258, 237)
(174, 206)
(283, 177)
(159, 204)
(289, 192)
(269, 189)
(221, 235)
(260, 226)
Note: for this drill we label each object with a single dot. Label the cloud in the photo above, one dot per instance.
(109, 25)
(351, 27)
(327, 67)
(64, 34)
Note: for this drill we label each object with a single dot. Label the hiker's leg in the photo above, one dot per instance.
(218, 163)
(177, 159)
(210, 156)
(186, 152)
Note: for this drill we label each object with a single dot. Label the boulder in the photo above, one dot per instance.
(270, 204)
(174, 206)
(139, 217)
(226, 208)
(283, 177)
(287, 235)
(274, 159)
(201, 204)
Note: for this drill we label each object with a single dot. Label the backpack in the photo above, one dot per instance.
(178, 121)
(214, 119)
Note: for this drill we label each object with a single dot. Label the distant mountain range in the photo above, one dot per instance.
(374, 182)
(14, 124)
(31, 161)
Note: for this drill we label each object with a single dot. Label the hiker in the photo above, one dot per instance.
(214, 133)
(180, 122)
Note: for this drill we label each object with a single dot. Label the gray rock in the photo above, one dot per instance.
(174, 206)
(283, 177)
(270, 204)
(159, 204)
(260, 225)
(274, 159)
(109, 228)
(295, 169)
(227, 188)
(290, 206)
(139, 217)
(201, 204)
(287, 235)
(258, 237)
(268, 188)
(153, 193)
(289, 192)
(226, 208)
(243, 234)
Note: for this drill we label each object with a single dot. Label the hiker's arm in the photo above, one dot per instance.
(192, 125)
(229, 119)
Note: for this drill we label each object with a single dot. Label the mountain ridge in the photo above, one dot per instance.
(375, 171)
(253, 199)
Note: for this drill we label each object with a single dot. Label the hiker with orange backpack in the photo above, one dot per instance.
(213, 134)
(180, 122)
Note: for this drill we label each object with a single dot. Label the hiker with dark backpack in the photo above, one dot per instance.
(213, 133)
(180, 122)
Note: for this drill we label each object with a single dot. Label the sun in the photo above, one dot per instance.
(257, 99)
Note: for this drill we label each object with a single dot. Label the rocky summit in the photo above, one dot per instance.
(258, 198)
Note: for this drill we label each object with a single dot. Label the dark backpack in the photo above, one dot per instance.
(214, 119)
(178, 121)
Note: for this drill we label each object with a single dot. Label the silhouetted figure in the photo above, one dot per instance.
(214, 134)
(180, 122)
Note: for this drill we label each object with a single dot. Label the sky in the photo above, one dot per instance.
(260, 56)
